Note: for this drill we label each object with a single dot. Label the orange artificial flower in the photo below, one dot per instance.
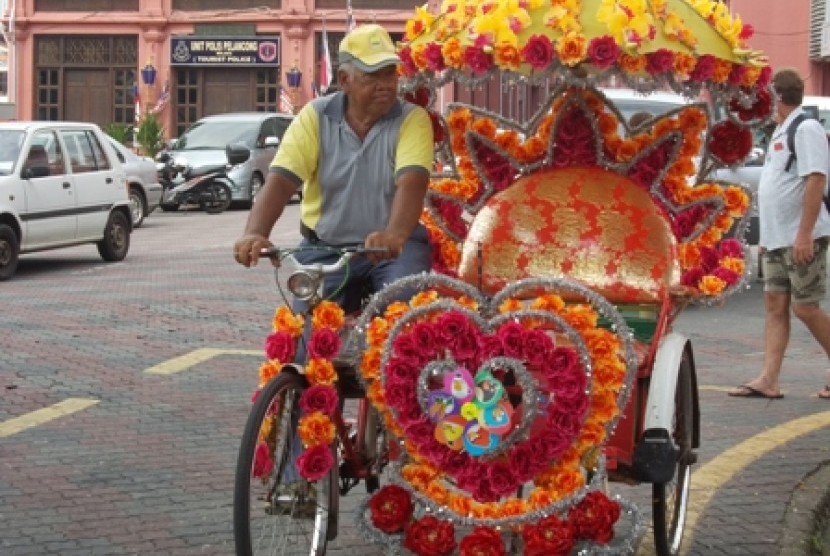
(453, 53)
(508, 140)
(286, 321)
(591, 435)
(460, 504)
(628, 150)
(607, 123)
(631, 63)
(459, 120)
(507, 56)
(609, 374)
(377, 331)
(315, 429)
(450, 254)
(734, 264)
(438, 493)
(684, 64)
(692, 120)
(567, 482)
(374, 393)
(510, 305)
(711, 285)
(266, 429)
(419, 57)
(689, 255)
(711, 236)
(468, 302)
(750, 76)
(603, 405)
(540, 497)
(423, 298)
(514, 506)
(268, 371)
(485, 126)
(736, 199)
(395, 310)
(722, 70)
(370, 363)
(572, 48)
(328, 314)
(601, 342)
(548, 302)
(683, 166)
(320, 371)
(580, 316)
(533, 149)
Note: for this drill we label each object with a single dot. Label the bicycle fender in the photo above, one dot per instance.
(660, 403)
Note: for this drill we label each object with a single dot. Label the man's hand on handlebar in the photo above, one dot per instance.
(248, 248)
(389, 245)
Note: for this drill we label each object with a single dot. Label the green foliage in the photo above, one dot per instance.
(122, 133)
(150, 135)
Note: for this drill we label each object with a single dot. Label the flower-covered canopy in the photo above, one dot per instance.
(683, 43)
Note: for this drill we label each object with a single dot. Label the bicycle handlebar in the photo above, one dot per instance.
(346, 253)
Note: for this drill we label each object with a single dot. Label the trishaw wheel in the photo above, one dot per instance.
(670, 500)
(275, 511)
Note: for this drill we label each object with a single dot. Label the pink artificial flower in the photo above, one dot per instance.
(692, 277)
(263, 463)
(603, 51)
(704, 69)
(477, 59)
(538, 51)
(319, 398)
(511, 335)
(434, 57)
(281, 346)
(325, 343)
(659, 61)
(315, 462)
(729, 276)
(730, 248)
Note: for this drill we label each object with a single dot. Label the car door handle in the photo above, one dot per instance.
(109, 180)
(66, 185)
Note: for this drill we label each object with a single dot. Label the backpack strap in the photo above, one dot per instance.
(791, 129)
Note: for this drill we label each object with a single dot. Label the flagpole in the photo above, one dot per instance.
(350, 23)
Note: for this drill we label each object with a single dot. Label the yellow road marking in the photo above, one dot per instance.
(41, 416)
(188, 360)
(720, 470)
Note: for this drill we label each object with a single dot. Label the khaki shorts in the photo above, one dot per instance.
(807, 282)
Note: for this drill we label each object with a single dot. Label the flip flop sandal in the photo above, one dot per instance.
(750, 392)
(824, 393)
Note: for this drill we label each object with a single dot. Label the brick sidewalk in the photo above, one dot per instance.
(148, 469)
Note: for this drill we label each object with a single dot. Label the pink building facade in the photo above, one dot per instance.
(82, 59)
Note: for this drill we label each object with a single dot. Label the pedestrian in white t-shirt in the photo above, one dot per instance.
(795, 230)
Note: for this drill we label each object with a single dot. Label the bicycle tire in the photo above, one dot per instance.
(670, 500)
(265, 523)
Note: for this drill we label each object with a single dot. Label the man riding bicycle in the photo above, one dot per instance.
(363, 158)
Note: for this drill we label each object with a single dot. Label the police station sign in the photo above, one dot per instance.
(224, 51)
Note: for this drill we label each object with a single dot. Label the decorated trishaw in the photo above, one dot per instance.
(538, 360)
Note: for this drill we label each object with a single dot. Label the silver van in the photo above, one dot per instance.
(202, 145)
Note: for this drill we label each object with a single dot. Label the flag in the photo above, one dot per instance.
(325, 63)
(163, 99)
(350, 21)
(286, 106)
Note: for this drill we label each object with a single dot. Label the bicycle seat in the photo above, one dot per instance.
(585, 223)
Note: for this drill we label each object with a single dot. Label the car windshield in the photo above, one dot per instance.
(216, 134)
(10, 143)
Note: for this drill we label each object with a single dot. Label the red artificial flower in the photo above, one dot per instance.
(391, 509)
(550, 537)
(704, 69)
(263, 463)
(483, 541)
(501, 478)
(765, 77)
(538, 51)
(315, 462)
(729, 142)
(430, 536)
(729, 276)
(280, 345)
(659, 61)
(760, 108)
(603, 51)
(434, 57)
(419, 96)
(692, 277)
(538, 348)
(730, 248)
(746, 33)
(324, 343)
(320, 398)
(408, 65)
(478, 60)
(451, 213)
(594, 517)
(426, 338)
(511, 335)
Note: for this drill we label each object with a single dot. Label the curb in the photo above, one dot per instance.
(807, 519)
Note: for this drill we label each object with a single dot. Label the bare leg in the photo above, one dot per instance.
(776, 338)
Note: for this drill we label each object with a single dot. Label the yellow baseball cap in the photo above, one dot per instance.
(369, 47)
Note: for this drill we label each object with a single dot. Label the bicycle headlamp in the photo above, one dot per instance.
(302, 285)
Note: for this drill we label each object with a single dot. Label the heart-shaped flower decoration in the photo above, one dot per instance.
(489, 396)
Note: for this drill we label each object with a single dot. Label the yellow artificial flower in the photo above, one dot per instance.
(420, 22)
(453, 53)
(572, 48)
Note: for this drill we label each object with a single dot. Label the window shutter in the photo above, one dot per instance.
(819, 45)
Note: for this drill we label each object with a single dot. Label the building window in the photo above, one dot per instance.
(90, 78)
(266, 91)
(4, 83)
(187, 99)
(86, 5)
(198, 5)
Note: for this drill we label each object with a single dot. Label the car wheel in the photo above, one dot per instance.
(138, 206)
(9, 251)
(116, 240)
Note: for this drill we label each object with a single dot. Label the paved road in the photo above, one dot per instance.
(126, 461)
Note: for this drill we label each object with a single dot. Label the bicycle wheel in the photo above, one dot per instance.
(216, 198)
(274, 513)
(670, 500)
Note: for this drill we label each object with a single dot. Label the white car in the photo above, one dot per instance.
(61, 184)
(142, 180)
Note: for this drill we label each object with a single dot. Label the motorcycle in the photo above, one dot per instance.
(209, 187)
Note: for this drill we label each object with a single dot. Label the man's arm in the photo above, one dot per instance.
(813, 194)
(270, 202)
